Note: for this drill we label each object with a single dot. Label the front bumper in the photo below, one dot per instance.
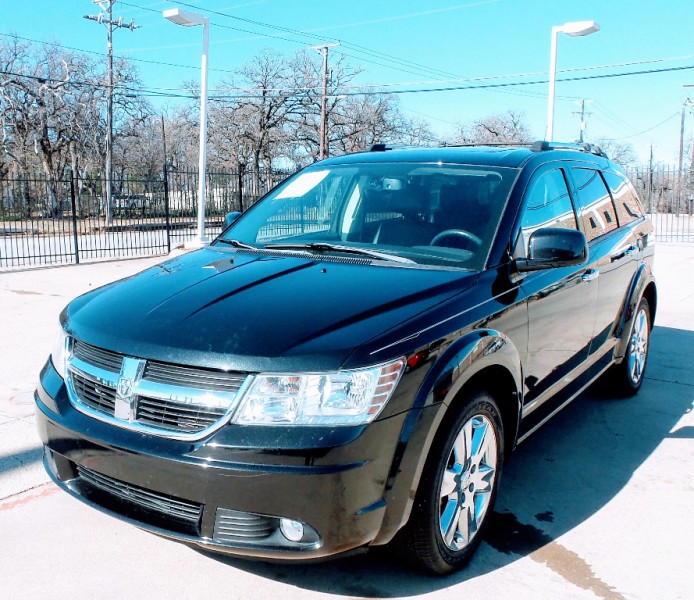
(228, 492)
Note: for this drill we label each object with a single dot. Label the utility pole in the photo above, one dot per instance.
(685, 104)
(105, 17)
(582, 112)
(323, 152)
(650, 183)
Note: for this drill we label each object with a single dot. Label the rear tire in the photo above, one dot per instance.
(626, 377)
(457, 491)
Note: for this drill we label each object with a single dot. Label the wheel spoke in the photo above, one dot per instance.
(466, 525)
(485, 475)
(449, 521)
(448, 484)
(462, 447)
(481, 442)
(481, 501)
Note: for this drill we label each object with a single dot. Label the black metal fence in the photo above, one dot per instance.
(668, 196)
(44, 221)
(67, 220)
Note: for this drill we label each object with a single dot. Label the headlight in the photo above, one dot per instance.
(61, 352)
(352, 397)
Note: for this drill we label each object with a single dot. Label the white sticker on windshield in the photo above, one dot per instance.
(302, 184)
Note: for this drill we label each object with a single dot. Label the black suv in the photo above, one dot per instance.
(352, 361)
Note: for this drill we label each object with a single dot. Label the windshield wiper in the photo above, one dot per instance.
(326, 247)
(237, 244)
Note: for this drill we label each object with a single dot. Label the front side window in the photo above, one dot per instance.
(596, 211)
(425, 214)
(547, 204)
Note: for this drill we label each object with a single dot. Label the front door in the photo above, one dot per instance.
(561, 301)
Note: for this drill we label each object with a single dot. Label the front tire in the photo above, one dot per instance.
(456, 494)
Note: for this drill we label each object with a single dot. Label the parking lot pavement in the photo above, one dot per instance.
(597, 504)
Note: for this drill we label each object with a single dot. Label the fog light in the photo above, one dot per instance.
(292, 530)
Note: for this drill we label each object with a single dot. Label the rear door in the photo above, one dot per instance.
(613, 253)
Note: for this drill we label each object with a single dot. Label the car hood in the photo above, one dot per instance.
(238, 310)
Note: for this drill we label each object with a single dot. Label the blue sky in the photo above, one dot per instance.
(419, 45)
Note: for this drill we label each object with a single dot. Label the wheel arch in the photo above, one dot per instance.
(642, 286)
(483, 360)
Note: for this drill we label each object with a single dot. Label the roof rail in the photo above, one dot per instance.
(487, 145)
(544, 146)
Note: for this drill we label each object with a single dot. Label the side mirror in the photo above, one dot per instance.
(229, 218)
(554, 247)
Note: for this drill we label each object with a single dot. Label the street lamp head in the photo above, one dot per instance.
(579, 28)
(184, 17)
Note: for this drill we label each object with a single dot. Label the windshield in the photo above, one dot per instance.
(426, 214)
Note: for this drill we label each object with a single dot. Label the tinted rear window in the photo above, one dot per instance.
(625, 198)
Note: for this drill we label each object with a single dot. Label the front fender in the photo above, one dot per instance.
(464, 359)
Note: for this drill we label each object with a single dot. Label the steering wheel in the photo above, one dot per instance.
(461, 233)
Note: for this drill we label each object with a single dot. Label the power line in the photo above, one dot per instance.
(389, 85)
(311, 39)
(148, 91)
(626, 137)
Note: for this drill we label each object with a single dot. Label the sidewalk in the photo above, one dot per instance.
(30, 302)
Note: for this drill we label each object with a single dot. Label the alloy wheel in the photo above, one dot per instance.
(468, 482)
(638, 346)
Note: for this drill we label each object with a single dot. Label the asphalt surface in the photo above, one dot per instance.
(597, 504)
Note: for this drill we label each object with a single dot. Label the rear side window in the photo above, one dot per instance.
(596, 213)
(548, 204)
(625, 198)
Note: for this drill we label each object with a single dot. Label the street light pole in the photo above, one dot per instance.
(572, 29)
(190, 19)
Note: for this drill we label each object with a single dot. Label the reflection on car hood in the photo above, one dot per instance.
(236, 310)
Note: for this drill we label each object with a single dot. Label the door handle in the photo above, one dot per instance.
(590, 275)
(630, 251)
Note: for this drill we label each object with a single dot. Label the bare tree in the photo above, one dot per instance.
(52, 107)
(260, 115)
(622, 154)
(35, 92)
(509, 127)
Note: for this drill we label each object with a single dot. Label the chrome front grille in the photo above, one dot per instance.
(215, 381)
(105, 359)
(175, 415)
(169, 506)
(160, 398)
(94, 394)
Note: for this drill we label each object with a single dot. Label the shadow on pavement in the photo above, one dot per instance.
(557, 479)
(20, 459)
